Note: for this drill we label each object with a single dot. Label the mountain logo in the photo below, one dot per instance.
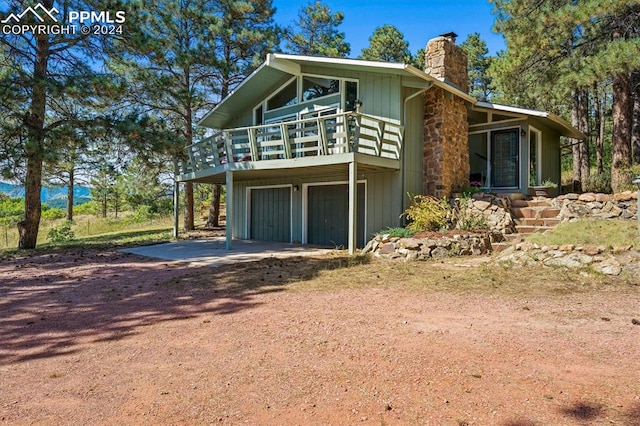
(33, 11)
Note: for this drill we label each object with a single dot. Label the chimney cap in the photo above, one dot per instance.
(451, 35)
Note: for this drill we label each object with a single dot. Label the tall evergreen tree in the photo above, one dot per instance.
(316, 33)
(478, 66)
(247, 33)
(39, 70)
(169, 65)
(387, 44)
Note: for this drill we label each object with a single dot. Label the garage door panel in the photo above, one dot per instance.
(328, 215)
(271, 214)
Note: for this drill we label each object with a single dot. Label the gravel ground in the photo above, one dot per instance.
(111, 338)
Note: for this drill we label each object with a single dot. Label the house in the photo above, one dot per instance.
(325, 151)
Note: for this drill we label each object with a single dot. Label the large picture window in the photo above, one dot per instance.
(317, 87)
(315, 91)
(287, 96)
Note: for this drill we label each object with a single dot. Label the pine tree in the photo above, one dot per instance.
(247, 33)
(316, 33)
(478, 67)
(40, 70)
(168, 64)
(387, 44)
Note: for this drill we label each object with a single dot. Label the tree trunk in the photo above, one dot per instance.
(585, 166)
(598, 104)
(105, 199)
(621, 143)
(70, 194)
(635, 125)
(34, 147)
(189, 221)
(28, 227)
(214, 210)
(575, 122)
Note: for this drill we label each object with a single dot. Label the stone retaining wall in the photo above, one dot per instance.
(608, 261)
(572, 207)
(425, 248)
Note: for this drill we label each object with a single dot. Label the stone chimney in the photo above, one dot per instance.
(446, 131)
(446, 61)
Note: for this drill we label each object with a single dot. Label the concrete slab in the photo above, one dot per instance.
(212, 251)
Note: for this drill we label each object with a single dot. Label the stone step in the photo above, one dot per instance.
(514, 238)
(529, 221)
(551, 221)
(499, 247)
(544, 202)
(527, 229)
(534, 212)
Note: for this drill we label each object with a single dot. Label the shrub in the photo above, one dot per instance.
(427, 214)
(142, 214)
(53, 213)
(465, 218)
(398, 232)
(600, 182)
(90, 207)
(61, 233)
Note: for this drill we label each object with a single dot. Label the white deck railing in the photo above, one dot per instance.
(324, 135)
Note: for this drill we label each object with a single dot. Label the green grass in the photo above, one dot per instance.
(97, 232)
(591, 232)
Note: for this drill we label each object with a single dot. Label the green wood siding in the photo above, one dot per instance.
(271, 214)
(413, 157)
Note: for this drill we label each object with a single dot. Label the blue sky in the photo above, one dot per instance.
(418, 20)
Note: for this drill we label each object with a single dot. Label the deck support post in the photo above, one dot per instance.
(229, 209)
(353, 207)
(176, 199)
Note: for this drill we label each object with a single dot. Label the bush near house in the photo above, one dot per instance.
(433, 214)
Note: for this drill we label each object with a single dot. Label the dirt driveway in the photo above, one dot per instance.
(111, 338)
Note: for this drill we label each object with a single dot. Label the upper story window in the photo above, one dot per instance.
(308, 88)
(287, 96)
(317, 87)
(351, 95)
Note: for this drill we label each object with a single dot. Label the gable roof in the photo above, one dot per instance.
(554, 121)
(278, 67)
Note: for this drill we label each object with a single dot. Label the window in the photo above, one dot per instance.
(287, 96)
(351, 95)
(317, 87)
(258, 116)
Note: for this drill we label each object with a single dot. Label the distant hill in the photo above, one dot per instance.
(53, 196)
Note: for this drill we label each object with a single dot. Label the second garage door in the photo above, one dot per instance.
(328, 215)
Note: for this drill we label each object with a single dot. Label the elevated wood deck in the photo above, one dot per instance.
(328, 141)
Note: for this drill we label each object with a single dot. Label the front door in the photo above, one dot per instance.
(505, 159)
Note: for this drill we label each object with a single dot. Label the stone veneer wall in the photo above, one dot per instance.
(448, 62)
(445, 149)
(446, 131)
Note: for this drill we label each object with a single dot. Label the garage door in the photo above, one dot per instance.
(271, 214)
(328, 214)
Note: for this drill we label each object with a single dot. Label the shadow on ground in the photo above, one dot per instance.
(61, 302)
(583, 412)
